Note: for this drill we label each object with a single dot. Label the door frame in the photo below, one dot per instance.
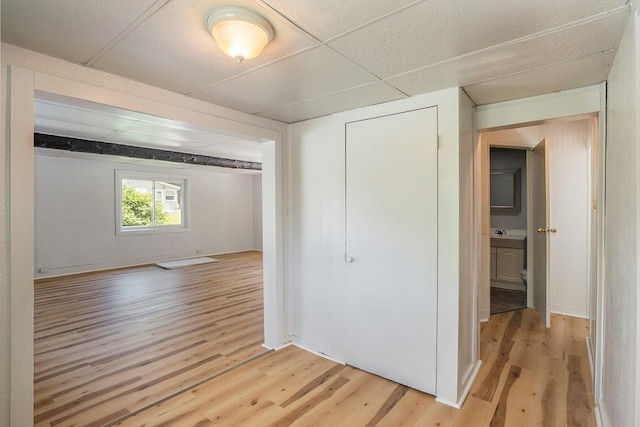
(23, 87)
(537, 110)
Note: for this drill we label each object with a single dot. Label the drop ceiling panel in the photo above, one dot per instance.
(551, 79)
(69, 129)
(167, 142)
(587, 39)
(325, 19)
(57, 116)
(173, 132)
(437, 30)
(74, 30)
(313, 73)
(98, 122)
(174, 50)
(416, 45)
(371, 94)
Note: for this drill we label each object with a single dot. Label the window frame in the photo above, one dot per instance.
(155, 177)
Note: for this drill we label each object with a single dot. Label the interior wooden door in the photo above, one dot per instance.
(538, 232)
(391, 246)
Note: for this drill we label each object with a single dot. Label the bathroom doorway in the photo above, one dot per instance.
(508, 228)
(570, 195)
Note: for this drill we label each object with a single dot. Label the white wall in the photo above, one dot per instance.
(522, 137)
(257, 212)
(620, 402)
(317, 269)
(26, 75)
(75, 229)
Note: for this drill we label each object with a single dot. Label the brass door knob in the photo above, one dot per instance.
(544, 230)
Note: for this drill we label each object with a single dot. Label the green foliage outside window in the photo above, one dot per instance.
(137, 209)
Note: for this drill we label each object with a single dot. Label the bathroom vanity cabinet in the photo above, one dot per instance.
(507, 260)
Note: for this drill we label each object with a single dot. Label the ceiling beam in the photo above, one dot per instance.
(111, 149)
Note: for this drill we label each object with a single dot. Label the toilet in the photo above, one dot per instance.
(523, 276)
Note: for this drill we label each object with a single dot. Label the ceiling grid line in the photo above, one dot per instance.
(520, 40)
(124, 33)
(327, 55)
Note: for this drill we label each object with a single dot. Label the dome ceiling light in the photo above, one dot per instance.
(240, 33)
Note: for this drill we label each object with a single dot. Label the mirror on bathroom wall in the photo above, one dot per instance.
(505, 193)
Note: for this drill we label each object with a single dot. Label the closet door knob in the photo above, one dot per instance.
(349, 259)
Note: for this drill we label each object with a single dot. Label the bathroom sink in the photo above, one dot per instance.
(508, 241)
(508, 236)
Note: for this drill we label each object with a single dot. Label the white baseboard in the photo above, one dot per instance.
(306, 346)
(465, 390)
(590, 354)
(568, 311)
(448, 403)
(280, 347)
(602, 420)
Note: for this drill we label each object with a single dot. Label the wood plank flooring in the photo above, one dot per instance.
(530, 377)
(169, 359)
(110, 343)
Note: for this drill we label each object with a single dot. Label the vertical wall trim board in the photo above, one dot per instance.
(20, 144)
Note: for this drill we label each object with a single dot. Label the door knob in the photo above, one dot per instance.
(349, 259)
(544, 230)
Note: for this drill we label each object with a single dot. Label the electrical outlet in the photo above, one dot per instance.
(198, 251)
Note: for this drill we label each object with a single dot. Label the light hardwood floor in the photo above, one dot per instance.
(110, 343)
(169, 358)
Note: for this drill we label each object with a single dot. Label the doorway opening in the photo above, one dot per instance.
(24, 89)
(567, 229)
(508, 219)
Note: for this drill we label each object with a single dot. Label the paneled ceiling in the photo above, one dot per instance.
(333, 55)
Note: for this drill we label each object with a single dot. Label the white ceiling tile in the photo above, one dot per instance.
(307, 75)
(146, 140)
(437, 30)
(240, 150)
(73, 30)
(73, 114)
(415, 45)
(174, 50)
(69, 129)
(82, 119)
(328, 18)
(371, 94)
(551, 79)
(178, 131)
(570, 44)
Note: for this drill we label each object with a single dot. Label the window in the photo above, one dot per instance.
(138, 210)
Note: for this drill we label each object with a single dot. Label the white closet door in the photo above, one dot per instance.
(391, 246)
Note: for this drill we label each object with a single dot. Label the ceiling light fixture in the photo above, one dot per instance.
(240, 33)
